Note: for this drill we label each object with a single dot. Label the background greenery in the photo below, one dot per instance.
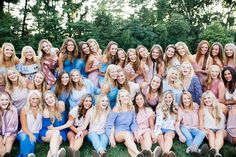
(148, 22)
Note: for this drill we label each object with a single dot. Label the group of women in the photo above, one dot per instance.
(114, 96)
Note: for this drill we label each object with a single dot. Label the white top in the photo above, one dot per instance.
(74, 113)
(134, 88)
(98, 125)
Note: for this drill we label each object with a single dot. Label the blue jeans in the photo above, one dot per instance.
(99, 141)
(26, 146)
(193, 136)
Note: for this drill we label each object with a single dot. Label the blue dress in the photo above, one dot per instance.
(177, 92)
(68, 65)
(80, 65)
(195, 89)
(63, 97)
(47, 122)
(103, 70)
(112, 94)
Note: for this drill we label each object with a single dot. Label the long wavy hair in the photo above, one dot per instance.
(125, 85)
(27, 106)
(60, 88)
(64, 50)
(233, 47)
(198, 53)
(82, 111)
(135, 103)
(111, 58)
(2, 54)
(137, 62)
(230, 85)
(117, 58)
(119, 104)
(160, 59)
(182, 106)
(209, 80)
(81, 53)
(23, 55)
(80, 83)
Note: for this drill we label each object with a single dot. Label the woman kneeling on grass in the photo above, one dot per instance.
(31, 122)
(77, 115)
(187, 126)
(96, 118)
(212, 116)
(164, 132)
(145, 120)
(8, 124)
(54, 118)
(121, 124)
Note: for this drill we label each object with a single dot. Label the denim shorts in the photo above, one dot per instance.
(163, 130)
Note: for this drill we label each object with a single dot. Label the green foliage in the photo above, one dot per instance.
(216, 33)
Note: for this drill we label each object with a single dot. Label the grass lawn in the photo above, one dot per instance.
(121, 151)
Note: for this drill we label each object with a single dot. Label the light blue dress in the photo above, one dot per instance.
(112, 95)
(68, 65)
(80, 65)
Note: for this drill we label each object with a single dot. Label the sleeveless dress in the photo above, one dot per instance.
(68, 65)
(93, 76)
(49, 69)
(19, 98)
(112, 94)
(80, 65)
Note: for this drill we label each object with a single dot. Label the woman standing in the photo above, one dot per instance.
(31, 123)
(230, 55)
(156, 55)
(217, 54)
(121, 58)
(8, 124)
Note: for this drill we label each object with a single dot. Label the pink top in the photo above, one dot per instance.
(151, 102)
(231, 122)
(142, 119)
(49, 68)
(214, 87)
(189, 119)
(93, 76)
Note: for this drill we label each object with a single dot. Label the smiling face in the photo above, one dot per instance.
(215, 72)
(29, 54)
(70, 46)
(12, 75)
(229, 51)
(104, 103)
(173, 75)
(181, 50)
(170, 52)
(8, 51)
(45, 47)
(155, 53)
(139, 101)
(143, 52)
(75, 76)
(168, 99)
(121, 55)
(38, 79)
(121, 77)
(113, 49)
(186, 100)
(65, 79)
(227, 75)
(50, 99)
(185, 69)
(93, 47)
(85, 49)
(113, 73)
(215, 50)
(34, 100)
(4, 101)
(155, 83)
(208, 100)
(124, 97)
(132, 56)
(87, 102)
(204, 48)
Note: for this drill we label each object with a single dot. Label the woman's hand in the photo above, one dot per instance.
(112, 142)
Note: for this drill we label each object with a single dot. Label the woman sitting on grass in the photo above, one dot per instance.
(212, 117)
(31, 122)
(96, 118)
(54, 116)
(8, 124)
(77, 115)
(121, 124)
(187, 125)
(164, 132)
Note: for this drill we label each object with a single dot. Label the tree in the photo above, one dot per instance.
(2, 5)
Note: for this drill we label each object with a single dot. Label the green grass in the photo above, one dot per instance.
(121, 151)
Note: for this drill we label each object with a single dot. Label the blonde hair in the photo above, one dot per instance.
(80, 83)
(9, 84)
(56, 112)
(191, 70)
(23, 52)
(191, 100)
(13, 57)
(136, 64)
(166, 59)
(107, 75)
(233, 47)
(96, 115)
(209, 80)
(40, 52)
(93, 41)
(118, 102)
(167, 110)
(27, 106)
(216, 110)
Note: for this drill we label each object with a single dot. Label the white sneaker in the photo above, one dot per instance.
(31, 155)
(61, 152)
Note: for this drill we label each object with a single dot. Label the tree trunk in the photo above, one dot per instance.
(24, 19)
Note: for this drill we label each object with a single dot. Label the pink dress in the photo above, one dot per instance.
(93, 76)
(49, 69)
(143, 120)
(149, 73)
(214, 87)
(151, 102)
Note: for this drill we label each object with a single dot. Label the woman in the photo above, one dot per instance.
(8, 124)
(187, 125)
(173, 83)
(146, 65)
(132, 68)
(63, 88)
(54, 116)
(230, 55)
(156, 55)
(108, 58)
(8, 57)
(212, 118)
(29, 64)
(39, 83)
(83, 55)
(121, 58)
(190, 82)
(214, 82)
(77, 115)
(130, 86)
(164, 131)
(153, 91)
(110, 87)
(217, 54)
(170, 57)
(96, 119)
(68, 54)
(145, 118)
(93, 63)
(80, 86)
(31, 123)
(121, 124)
(48, 60)
(203, 59)
(15, 84)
